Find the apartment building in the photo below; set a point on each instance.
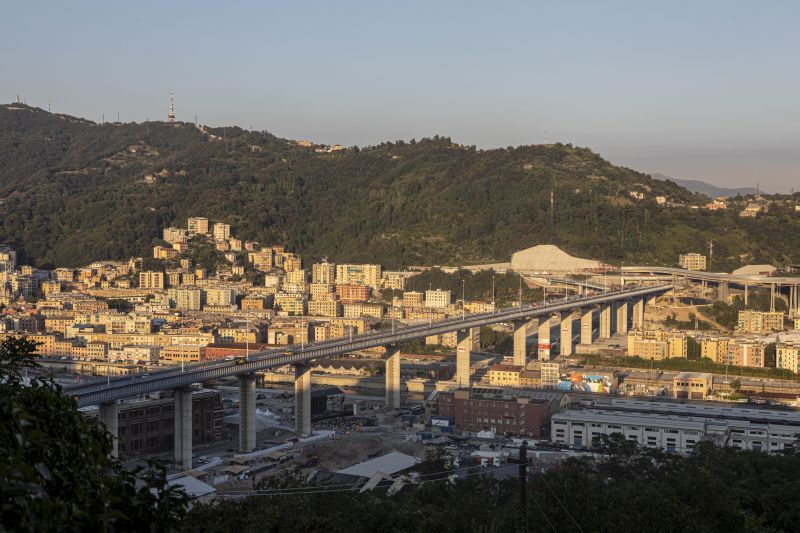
(787, 356)
(329, 308)
(173, 235)
(221, 231)
(352, 293)
(291, 303)
(359, 309)
(394, 280)
(714, 348)
(760, 322)
(297, 276)
(151, 279)
(197, 225)
(505, 375)
(744, 352)
(323, 273)
(412, 299)
(437, 298)
(220, 296)
(366, 274)
(657, 345)
(692, 261)
(292, 262)
(186, 299)
(322, 291)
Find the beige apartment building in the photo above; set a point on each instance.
(760, 322)
(329, 308)
(197, 225)
(505, 375)
(787, 356)
(356, 310)
(221, 231)
(151, 279)
(692, 261)
(714, 348)
(412, 299)
(323, 273)
(290, 303)
(220, 296)
(322, 291)
(437, 298)
(366, 274)
(657, 345)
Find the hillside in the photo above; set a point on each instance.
(72, 191)
(710, 190)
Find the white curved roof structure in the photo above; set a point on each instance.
(549, 258)
(754, 270)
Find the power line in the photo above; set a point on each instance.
(560, 503)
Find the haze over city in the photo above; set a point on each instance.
(702, 91)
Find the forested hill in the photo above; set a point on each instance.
(73, 191)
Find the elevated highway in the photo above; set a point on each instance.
(611, 307)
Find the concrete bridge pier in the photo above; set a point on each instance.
(520, 329)
(109, 417)
(183, 428)
(463, 353)
(638, 313)
(622, 317)
(587, 316)
(543, 339)
(302, 399)
(247, 413)
(605, 321)
(393, 376)
(567, 320)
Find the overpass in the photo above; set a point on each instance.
(610, 307)
(722, 280)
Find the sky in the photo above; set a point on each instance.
(692, 89)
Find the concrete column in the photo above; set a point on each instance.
(622, 317)
(183, 428)
(587, 314)
(109, 417)
(520, 332)
(605, 321)
(247, 413)
(302, 399)
(463, 350)
(745, 294)
(393, 376)
(566, 333)
(722, 291)
(543, 340)
(638, 313)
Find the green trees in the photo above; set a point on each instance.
(625, 488)
(55, 469)
(78, 196)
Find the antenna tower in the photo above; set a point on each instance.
(710, 249)
(546, 137)
(171, 114)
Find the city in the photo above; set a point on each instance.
(301, 325)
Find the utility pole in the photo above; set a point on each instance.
(523, 474)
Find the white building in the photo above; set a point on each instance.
(437, 299)
(677, 427)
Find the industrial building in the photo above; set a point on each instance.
(523, 412)
(677, 427)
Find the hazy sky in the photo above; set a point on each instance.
(695, 89)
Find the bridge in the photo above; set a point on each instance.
(610, 307)
(723, 280)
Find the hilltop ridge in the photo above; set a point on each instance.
(72, 191)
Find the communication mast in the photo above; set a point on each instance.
(710, 249)
(171, 114)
